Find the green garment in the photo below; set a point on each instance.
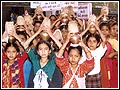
(48, 68)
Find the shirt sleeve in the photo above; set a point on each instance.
(63, 64)
(87, 66)
(32, 55)
(22, 57)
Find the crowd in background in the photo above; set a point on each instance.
(60, 51)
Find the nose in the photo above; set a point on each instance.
(73, 58)
(11, 54)
(43, 51)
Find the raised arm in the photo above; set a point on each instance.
(26, 44)
(54, 24)
(48, 30)
(101, 34)
(88, 27)
(87, 52)
(61, 51)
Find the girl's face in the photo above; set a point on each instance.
(52, 19)
(74, 57)
(36, 27)
(92, 43)
(11, 53)
(43, 50)
(23, 39)
(114, 30)
(105, 30)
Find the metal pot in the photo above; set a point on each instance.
(44, 35)
(11, 39)
(75, 39)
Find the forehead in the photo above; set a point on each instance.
(21, 36)
(92, 38)
(11, 48)
(52, 17)
(115, 26)
(43, 45)
(104, 26)
(37, 24)
(74, 51)
(64, 31)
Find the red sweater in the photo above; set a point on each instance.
(20, 59)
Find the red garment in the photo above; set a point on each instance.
(109, 64)
(20, 58)
(114, 74)
(83, 68)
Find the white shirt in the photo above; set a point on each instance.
(97, 54)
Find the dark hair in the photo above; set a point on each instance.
(37, 21)
(79, 48)
(113, 23)
(63, 27)
(45, 42)
(22, 33)
(53, 16)
(13, 45)
(96, 36)
(104, 24)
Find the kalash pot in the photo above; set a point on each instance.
(73, 28)
(75, 39)
(44, 35)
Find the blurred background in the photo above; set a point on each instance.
(10, 10)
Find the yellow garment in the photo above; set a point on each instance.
(114, 43)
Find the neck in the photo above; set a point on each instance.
(73, 67)
(43, 61)
(112, 37)
(10, 62)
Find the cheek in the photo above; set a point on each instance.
(15, 54)
(7, 54)
(39, 52)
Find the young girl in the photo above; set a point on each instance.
(97, 48)
(73, 72)
(106, 61)
(39, 57)
(45, 60)
(12, 66)
(110, 59)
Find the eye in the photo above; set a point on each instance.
(14, 51)
(46, 48)
(76, 56)
(40, 48)
(8, 51)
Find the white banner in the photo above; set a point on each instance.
(74, 4)
(46, 5)
(54, 5)
(84, 10)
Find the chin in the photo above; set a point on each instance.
(92, 48)
(11, 58)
